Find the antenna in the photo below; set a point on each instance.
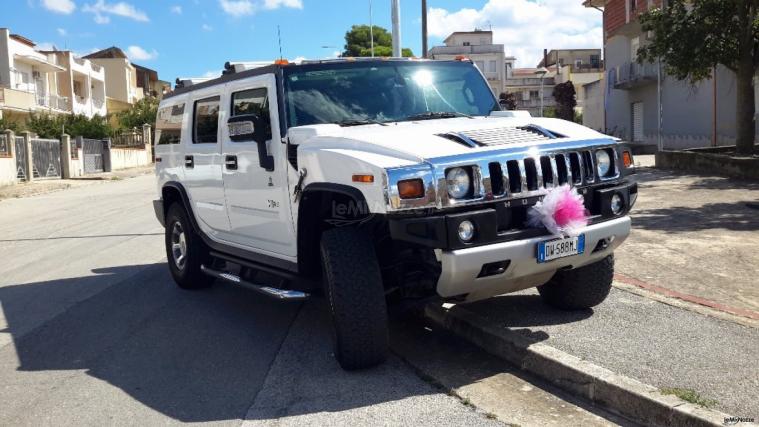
(279, 37)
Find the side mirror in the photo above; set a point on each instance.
(243, 128)
(251, 127)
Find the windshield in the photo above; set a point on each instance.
(379, 92)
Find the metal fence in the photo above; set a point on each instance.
(128, 140)
(94, 150)
(21, 170)
(5, 146)
(46, 158)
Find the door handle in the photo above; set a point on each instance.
(231, 162)
(189, 162)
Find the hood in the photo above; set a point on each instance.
(427, 139)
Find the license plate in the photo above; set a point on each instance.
(560, 248)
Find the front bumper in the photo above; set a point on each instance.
(461, 268)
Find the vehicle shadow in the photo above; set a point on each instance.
(192, 356)
(525, 314)
(217, 354)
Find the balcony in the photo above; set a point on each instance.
(631, 75)
(466, 50)
(53, 101)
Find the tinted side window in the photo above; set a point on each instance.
(169, 124)
(253, 101)
(206, 121)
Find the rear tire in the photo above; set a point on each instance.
(185, 251)
(353, 284)
(580, 288)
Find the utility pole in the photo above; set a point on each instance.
(424, 28)
(396, 13)
(371, 29)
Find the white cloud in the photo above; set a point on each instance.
(59, 6)
(137, 53)
(212, 74)
(101, 10)
(176, 9)
(525, 27)
(237, 7)
(61, 32)
(276, 4)
(206, 27)
(45, 46)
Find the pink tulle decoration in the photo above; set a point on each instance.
(562, 212)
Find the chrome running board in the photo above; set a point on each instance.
(283, 294)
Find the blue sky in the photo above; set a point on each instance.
(195, 37)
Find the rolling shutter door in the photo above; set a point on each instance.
(637, 122)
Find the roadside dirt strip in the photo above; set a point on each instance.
(611, 354)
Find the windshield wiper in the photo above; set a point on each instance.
(359, 122)
(430, 115)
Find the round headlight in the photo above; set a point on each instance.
(616, 204)
(603, 161)
(459, 183)
(466, 230)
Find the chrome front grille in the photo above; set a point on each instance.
(506, 174)
(530, 175)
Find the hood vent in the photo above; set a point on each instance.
(501, 136)
(460, 138)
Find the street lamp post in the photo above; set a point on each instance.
(371, 29)
(542, 71)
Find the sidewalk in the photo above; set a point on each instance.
(42, 186)
(657, 344)
(695, 235)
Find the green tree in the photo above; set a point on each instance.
(6, 124)
(508, 101)
(693, 36)
(564, 94)
(50, 126)
(358, 42)
(142, 112)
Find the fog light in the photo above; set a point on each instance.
(616, 204)
(466, 230)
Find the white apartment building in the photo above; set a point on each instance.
(83, 83)
(53, 82)
(478, 46)
(24, 79)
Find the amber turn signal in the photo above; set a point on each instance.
(363, 178)
(411, 189)
(627, 158)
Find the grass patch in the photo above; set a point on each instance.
(689, 395)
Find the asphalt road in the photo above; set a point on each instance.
(94, 332)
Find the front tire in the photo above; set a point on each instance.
(185, 251)
(580, 288)
(353, 284)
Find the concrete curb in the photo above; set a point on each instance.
(625, 396)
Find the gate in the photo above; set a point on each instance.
(46, 158)
(21, 172)
(93, 155)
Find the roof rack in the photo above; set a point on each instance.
(189, 81)
(231, 67)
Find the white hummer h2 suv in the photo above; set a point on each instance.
(382, 182)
